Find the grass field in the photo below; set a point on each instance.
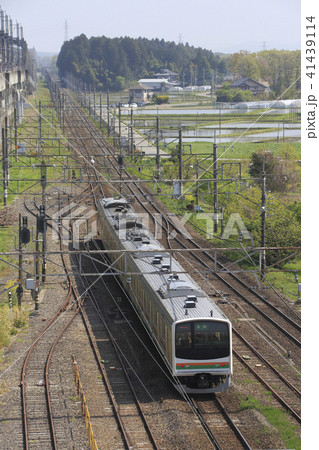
(278, 419)
(24, 178)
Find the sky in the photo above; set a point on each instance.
(222, 26)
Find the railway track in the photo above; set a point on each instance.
(41, 402)
(120, 384)
(214, 416)
(265, 308)
(221, 431)
(122, 399)
(290, 329)
(127, 408)
(282, 389)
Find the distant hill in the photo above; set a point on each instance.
(114, 63)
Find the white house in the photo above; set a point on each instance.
(157, 84)
(140, 93)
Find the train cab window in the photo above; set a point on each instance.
(183, 336)
(202, 340)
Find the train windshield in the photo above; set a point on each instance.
(202, 340)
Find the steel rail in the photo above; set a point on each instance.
(242, 296)
(240, 281)
(115, 407)
(267, 385)
(96, 354)
(25, 365)
(118, 354)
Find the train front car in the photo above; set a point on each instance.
(189, 330)
(203, 354)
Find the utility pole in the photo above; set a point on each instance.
(131, 141)
(100, 110)
(108, 112)
(215, 174)
(42, 207)
(263, 220)
(40, 125)
(5, 161)
(158, 167)
(19, 288)
(197, 182)
(120, 137)
(4, 170)
(15, 131)
(41, 228)
(63, 112)
(180, 159)
(24, 238)
(120, 162)
(36, 265)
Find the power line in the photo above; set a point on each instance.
(66, 38)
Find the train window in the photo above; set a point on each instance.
(147, 307)
(183, 336)
(133, 283)
(202, 340)
(141, 295)
(163, 329)
(153, 315)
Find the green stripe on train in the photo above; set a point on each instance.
(202, 366)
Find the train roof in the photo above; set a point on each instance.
(179, 295)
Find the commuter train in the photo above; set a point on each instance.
(187, 327)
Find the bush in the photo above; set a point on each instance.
(281, 173)
(11, 320)
(160, 99)
(5, 326)
(233, 95)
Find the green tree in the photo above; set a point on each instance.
(244, 64)
(281, 171)
(132, 59)
(279, 68)
(282, 220)
(282, 230)
(119, 83)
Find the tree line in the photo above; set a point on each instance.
(115, 63)
(280, 69)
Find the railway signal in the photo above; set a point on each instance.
(24, 232)
(41, 220)
(24, 238)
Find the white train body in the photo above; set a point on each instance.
(188, 328)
